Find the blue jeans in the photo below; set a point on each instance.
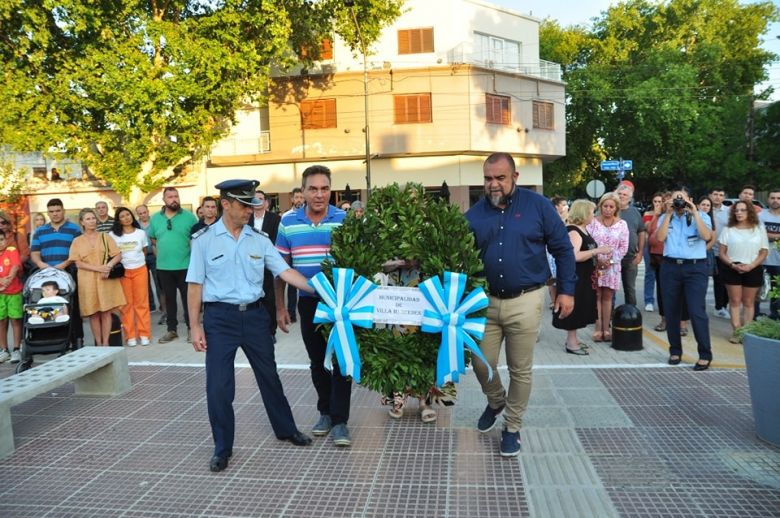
(649, 278)
(689, 282)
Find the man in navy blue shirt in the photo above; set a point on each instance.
(513, 227)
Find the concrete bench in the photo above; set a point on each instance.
(98, 371)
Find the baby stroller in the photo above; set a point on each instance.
(46, 327)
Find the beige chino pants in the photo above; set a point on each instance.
(514, 321)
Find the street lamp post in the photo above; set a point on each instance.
(351, 5)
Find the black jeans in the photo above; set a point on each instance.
(333, 389)
(719, 288)
(171, 281)
(292, 300)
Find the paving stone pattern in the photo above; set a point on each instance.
(596, 442)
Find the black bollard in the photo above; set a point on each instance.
(627, 328)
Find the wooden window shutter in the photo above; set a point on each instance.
(319, 114)
(326, 49)
(497, 109)
(415, 41)
(414, 108)
(544, 115)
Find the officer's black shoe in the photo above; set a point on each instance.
(218, 463)
(298, 439)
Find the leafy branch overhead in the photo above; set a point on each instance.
(135, 88)
(669, 85)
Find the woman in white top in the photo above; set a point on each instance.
(133, 243)
(743, 248)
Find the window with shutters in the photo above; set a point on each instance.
(415, 41)
(412, 109)
(318, 114)
(544, 115)
(497, 109)
(325, 50)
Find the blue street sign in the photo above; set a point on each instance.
(627, 165)
(610, 165)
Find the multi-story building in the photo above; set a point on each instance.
(448, 83)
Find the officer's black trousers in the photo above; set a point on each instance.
(333, 389)
(226, 330)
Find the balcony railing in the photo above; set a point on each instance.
(462, 53)
(234, 145)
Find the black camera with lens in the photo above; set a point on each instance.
(679, 202)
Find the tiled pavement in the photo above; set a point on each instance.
(596, 442)
(614, 434)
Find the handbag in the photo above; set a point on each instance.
(118, 270)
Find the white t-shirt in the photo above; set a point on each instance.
(744, 243)
(132, 247)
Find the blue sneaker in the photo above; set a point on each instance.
(510, 443)
(322, 427)
(488, 418)
(340, 435)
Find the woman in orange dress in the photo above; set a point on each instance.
(98, 295)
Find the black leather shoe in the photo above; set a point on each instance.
(298, 439)
(675, 360)
(218, 463)
(702, 366)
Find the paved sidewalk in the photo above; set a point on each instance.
(612, 434)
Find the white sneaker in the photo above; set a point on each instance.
(723, 313)
(132, 342)
(16, 356)
(144, 340)
(649, 307)
(4, 356)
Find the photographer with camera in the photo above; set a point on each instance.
(685, 234)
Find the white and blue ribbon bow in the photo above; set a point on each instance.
(344, 307)
(449, 317)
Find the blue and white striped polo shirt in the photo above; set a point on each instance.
(54, 245)
(308, 244)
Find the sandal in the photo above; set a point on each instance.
(427, 414)
(598, 336)
(607, 336)
(661, 327)
(735, 339)
(397, 411)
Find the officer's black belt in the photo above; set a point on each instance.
(235, 307)
(674, 260)
(514, 294)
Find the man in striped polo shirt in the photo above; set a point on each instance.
(50, 247)
(304, 242)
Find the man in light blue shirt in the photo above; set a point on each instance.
(225, 273)
(685, 234)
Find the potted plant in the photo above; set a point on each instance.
(761, 340)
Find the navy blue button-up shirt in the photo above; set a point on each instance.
(512, 243)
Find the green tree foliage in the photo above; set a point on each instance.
(137, 87)
(667, 84)
(404, 223)
(767, 145)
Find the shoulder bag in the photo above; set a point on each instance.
(118, 270)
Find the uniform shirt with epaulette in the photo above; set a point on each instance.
(231, 270)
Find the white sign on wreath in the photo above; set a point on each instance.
(398, 305)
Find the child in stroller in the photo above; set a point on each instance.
(50, 308)
(47, 295)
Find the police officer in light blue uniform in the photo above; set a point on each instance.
(226, 275)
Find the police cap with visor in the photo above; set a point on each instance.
(242, 191)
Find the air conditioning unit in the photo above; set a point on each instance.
(265, 142)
